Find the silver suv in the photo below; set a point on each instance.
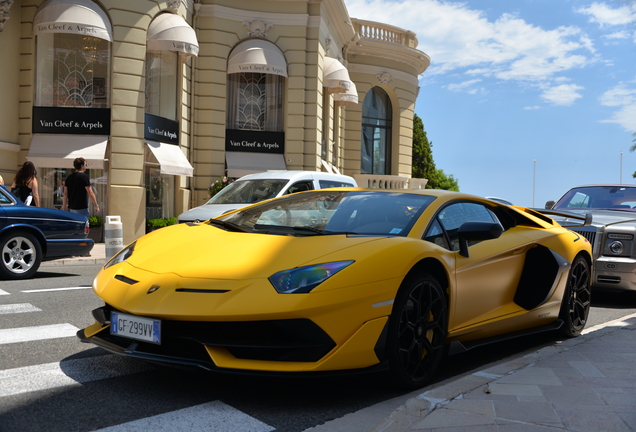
(611, 213)
(253, 188)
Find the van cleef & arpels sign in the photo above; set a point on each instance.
(71, 121)
(254, 141)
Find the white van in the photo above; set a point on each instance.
(253, 188)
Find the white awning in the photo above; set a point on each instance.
(81, 17)
(350, 97)
(243, 163)
(258, 56)
(59, 151)
(169, 32)
(335, 76)
(171, 159)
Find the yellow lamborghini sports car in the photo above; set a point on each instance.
(340, 280)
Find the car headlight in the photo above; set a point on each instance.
(121, 256)
(304, 279)
(616, 247)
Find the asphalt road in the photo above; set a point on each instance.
(60, 384)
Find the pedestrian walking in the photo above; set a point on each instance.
(25, 185)
(77, 190)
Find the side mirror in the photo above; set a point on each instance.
(550, 204)
(477, 231)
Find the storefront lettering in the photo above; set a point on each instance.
(71, 124)
(161, 132)
(57, 27)
(262, 69)
(254, 144)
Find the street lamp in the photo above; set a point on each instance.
(534, 180)
(621, 181)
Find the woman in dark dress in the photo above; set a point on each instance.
(25, 183)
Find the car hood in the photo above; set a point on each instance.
(208, 211)
(609, 217)
(204, 251)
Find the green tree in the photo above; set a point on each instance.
(443, 181)
(423, 165)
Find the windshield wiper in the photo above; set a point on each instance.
(227, 225)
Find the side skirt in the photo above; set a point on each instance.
(457, 347)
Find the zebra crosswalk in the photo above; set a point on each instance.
(69, 373)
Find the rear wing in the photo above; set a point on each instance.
(579, 219)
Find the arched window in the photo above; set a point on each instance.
(376, 133)
(72, 58)
(256, 73)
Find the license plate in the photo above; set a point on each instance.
(135, 327)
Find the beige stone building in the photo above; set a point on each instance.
(162, 98)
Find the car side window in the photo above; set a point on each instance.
(324, 184)
(300, 186)
(435, 234)
(5, 199)
(451, 218)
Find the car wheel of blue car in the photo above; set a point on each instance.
(21, 255)
(417, 331)
(576, 303)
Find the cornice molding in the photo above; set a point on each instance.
(376, 71)
(400, 53)
(223, 12)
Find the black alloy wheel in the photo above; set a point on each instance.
(21, 255)
(417, 331)
(576, 303)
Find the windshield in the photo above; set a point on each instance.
(334, 212)
(248, 191)
(598, 197)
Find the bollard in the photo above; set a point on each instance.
(113, 235)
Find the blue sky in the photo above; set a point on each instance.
(512, 82)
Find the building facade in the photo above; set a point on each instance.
(163, 98)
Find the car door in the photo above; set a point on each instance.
(485, 280)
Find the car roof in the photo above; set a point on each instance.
(604, 185)
(297, 175)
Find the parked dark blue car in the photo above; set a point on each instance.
(30, 235)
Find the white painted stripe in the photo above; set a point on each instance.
(26, 334)
(65, 373)
(18, 308)
(3, 292)
(208, 417)
(58, 289)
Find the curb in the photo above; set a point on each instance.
(416, 409)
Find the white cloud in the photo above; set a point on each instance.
(464, 86)
(603, 14)
(536, 107)
(618, 35)
(624, 98)
(564, 94)
(457, 37)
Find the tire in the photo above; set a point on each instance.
(576, 302)
(417, 331)
(21, 255)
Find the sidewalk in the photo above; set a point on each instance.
(582, 384)
(97, 256)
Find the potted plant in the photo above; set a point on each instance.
(218, 185)
(155, 224)
(96, 229)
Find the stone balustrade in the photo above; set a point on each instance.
(376, 181)
(372, 30)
